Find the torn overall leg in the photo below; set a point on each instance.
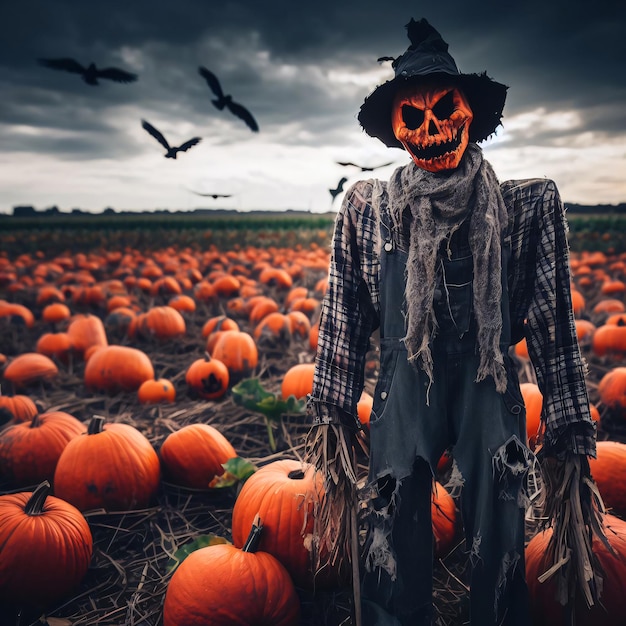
(398, 591)
(491, 466)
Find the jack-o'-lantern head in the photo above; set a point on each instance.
(432, 122)
(429, 107)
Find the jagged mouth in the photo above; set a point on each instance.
(437, 151)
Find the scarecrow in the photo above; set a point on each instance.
(451, 268)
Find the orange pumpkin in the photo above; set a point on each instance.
(156, 391)
(609, 471)
(533, 400)
(45, 548)
(238, 351)
(208, 377)
(160, 322)
(612, 390)
(86, 331)
(193, 455)
(300, 324)
(284, 494)
(273, 332)
(18, 408)
(207, 587)
(55, 345)
(55, 312)
(298, 380)
(364, 408)
(610, 340)
(546, 609)
(113, 467)
(118, 368)
(29, 451)
(443, 513)
(30, 367)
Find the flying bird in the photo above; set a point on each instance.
(335, 192)
(171, 151)
(211, 195)
(363, 168)
(91, 73)
(226, 101)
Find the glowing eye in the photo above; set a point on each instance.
(445, 107)
(413, 118)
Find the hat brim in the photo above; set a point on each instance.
(486, 97)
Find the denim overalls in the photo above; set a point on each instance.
(411, 425)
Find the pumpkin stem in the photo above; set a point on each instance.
(296, 474)
(96, 425)
(35, 422)
(252, 542)
(35, 503)
(207, 356)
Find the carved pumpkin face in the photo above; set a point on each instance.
(432, 123)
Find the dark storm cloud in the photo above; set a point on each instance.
(274, 56)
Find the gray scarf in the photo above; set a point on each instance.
(437, 204)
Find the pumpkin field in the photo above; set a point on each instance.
(152, 427)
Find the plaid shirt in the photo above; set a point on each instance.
(540, 306)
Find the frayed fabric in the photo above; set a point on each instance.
(437, 206)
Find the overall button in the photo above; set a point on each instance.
(383, 395)
(388, 246)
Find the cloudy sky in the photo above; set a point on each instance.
(303, 70)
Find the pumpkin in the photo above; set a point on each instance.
(55, 312)
(160, 322)
(182, 303)
(238, 351)
(30, 367)
(193, 455)
(300, 324)
(222, 585)
(208, 377)
(443, 513)
(118, 368)
(610, 340)
(217, 323)
(112, 467)
(86, 331)
(612, 390)
(545, 608)
(262, 309)
(17, 313)
(55, 345)
(18, 408)
(29, 451)
(609, 471)
(273, 332)
(45, 547)
(276, 277)
(156, 391)
(364, 408)
(298, 380)
(226, 286)
(284, 493)
(533, 401)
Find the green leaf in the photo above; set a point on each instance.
(236, 470)
(202, 541)
(250, 394)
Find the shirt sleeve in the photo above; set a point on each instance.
(349, 312)
(550, 327)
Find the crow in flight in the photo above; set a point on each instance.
(362, 167)
(211, 195)
(335, 192)
(227, 101)
(171, 151)
(90, 74)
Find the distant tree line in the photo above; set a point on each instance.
(30, 211)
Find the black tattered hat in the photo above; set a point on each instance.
(427, 60)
